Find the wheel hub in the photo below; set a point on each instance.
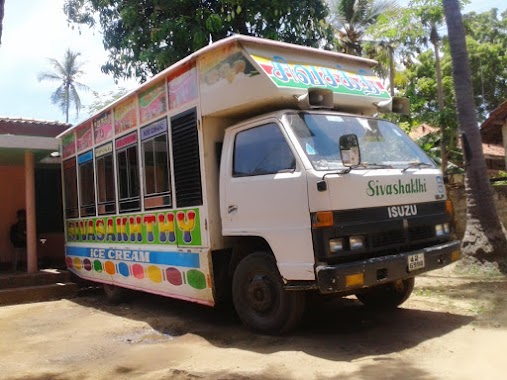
(260, 294)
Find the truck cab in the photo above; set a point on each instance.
(342, 203)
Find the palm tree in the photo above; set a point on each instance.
(351, 19)
(484, 234)
(431, 17)
(66, 73)
(2, 6)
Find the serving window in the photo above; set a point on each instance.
(106, 195)
(70, 188)
(155, 153)
(128, 173)
(86, 184)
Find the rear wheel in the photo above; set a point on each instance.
(260, 299)
(115, 294)
(387, 296)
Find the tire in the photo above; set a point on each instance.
(260, 299)
(387, 296)
(115, 294)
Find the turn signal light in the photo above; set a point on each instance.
(354, 279)
(449, 207)
(455, 255)
(322, 219)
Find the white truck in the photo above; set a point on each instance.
(256, 171)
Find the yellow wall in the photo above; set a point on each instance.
(12, 198)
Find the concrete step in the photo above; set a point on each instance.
(43, 277)
(45, 285)
(38, 293)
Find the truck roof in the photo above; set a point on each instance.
(243, 75)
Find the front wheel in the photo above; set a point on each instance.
(260, 299)
(387, 296)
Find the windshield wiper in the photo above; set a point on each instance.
(416, 164)
(367, 165)
(364, 165)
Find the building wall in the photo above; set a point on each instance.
(50, 242)
(12, 198)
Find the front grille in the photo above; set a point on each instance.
(386, 238)
(421, 233)
(383, 235)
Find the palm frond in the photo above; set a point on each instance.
(66, 72)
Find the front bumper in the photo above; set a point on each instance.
(381, 270)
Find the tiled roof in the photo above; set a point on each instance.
(493, 150)
(491, 129)
(31, 127)
(489, 149)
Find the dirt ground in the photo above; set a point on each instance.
(453, 327)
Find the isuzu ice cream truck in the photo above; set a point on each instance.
(254, 171)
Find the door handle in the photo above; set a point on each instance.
(232, 208)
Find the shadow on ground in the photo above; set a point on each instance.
(334, 329)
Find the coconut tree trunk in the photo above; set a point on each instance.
(440, 95)
(391, 67)
(2, 6)
(67, 102)
(484, 234)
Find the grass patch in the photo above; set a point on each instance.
(471, 266)
(425, 292)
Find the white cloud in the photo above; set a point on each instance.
(35, 30)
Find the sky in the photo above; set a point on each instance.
(34, 30)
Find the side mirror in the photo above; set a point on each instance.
(349, 150)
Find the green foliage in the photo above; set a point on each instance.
(487, 47)
(67, 72)
(101, 101)
(144, 37)
(501, 175)
(352, 18)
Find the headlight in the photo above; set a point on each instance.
(356, 242)
(335, 245)
(442, 229)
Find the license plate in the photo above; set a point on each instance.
(415, 261)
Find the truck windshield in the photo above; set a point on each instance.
(382, 143)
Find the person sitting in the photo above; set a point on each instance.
(18, 236)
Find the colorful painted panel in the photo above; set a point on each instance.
(85, 157)
(154, 129)
(104, 149)
(337, 79)
(126, 140)
(181, 227)
(68, 145)
(227, 70)
(103, 127)
(172, 269)
(125, 115)
(84, 137)
(182, 88)
(153, 102)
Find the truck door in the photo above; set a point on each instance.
(263, 193)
